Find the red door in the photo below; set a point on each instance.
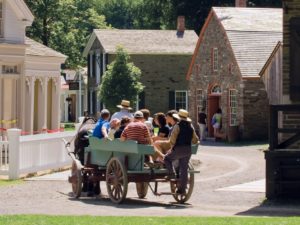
(213, 105)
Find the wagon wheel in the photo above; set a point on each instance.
(76, 175)
(142, 189)
(116, 180)
(182, 198)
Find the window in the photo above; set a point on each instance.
(200, 100)
(1, 18)
(233, 107)
(215, 58)
(216, 90)
(181, 101)
(7, 69)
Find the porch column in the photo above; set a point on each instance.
(29, 105)
(56, 103)
(1, 104)
(43, 104)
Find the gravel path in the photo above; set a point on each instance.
(221, 166)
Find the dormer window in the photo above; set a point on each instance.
(1, 18)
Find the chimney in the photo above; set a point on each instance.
(180, 24)
(240, 3)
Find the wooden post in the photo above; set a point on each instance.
(273, 126)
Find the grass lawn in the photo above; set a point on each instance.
(10, 182)
(86, 220)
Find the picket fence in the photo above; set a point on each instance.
(21, 155)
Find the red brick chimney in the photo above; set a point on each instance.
(240, 3)
(180, 24)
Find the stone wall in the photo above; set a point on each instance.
(160, 75)
(256, 110)
(227, 77)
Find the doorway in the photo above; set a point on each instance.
(213, 105)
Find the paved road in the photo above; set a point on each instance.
(221, 166)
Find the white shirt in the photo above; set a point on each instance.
(121, 114)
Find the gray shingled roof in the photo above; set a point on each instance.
(253, 34)
(38, 49)
(148, 41)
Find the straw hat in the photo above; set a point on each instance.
(124, 105)
(182, 115)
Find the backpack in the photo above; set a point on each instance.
(213, 120)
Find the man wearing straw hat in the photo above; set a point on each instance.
(183, 135)
(124, 110)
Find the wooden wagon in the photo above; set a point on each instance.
(119, 163)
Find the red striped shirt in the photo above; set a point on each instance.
(136, 131)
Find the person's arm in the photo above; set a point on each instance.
(124, 135)
(148, 136)
(174, 135)
(195, 138)
(104, 130)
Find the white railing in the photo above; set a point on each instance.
(33, 153)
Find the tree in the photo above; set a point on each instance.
(120, 81)
(65, 25)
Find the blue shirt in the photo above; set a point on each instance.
(98, 128)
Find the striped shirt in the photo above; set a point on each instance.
(137, 131)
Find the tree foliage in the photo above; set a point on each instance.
(64, 25)
(120, 81)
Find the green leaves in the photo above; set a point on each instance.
(120, 81)
(65, 26)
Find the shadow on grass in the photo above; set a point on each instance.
(130, 203)
(278, 207)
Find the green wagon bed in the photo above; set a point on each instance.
(119, 163)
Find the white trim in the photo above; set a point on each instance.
(89, 44)
(22, 11)
(186, 98)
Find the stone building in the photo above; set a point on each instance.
(162, 55)
(236, 50)
(29, 74)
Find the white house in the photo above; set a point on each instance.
(29, 74)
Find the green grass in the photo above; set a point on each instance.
(10, 182)
(69, 126)
(85, 220)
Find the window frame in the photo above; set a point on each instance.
(186, 99)
(233, 108)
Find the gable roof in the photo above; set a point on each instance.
(37, 49)
(253, 33)
(144, 41)
(22, 11)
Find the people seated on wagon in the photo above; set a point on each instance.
(114, 125)
(161, 147)
(148, 120)
(137, 130)
(181, 139)
(163, 129)
(124, 122)
(102, 126)
(124, 110)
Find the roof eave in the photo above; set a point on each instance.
(89, 44)
(189, 73)
(270, 58)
